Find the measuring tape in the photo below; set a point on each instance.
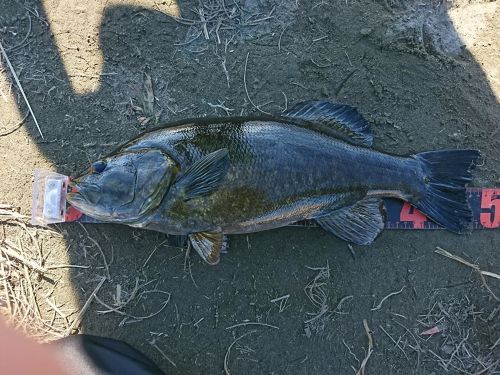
(484, 203)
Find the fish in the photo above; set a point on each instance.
(210, 177)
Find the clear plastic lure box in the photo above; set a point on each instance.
(49, 200)
(49, 197)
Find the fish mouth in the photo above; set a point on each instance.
(73, 196)
(81, 202)
(74, 193)
(75, 199)
(80, 192)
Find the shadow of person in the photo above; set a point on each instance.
(175, 309)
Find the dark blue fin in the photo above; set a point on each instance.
(360, 223)
(205, 175)
(339, 120)
(446, 174)
(208, 245)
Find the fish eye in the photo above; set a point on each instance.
(98, 166)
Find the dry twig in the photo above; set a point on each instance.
(475, 267)
(15, 127)
(106, 266)
(252, 324)
(362, 368)
(13, 72)
(11, 251)
(228, 352)
(246, 89)
(76, 322)
(163, 354)
(379, 306)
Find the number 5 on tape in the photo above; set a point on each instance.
(490, 208)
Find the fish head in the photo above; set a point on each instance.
(124, 187)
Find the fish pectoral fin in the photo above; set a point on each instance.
(335, 119)
(208, 245)
(205, 175)
(360, 223)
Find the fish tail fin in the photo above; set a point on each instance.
(446, 174)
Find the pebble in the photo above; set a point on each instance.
(365, 31)
(447, 349)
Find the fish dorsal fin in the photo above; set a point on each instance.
(339, 120)
(360, 223)
(208, 245)
(205, 175)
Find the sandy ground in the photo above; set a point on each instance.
(424, 73)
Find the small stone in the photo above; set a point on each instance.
(456, 136)
(365, 31)
(447, 349)
(307, 331)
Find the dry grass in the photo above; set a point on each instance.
(221, 20)
(318, 293)
(460, 349)
(452, 336)
(26, 282)
(458, 336)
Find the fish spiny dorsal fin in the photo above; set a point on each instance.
(208, 245)
(339, 120)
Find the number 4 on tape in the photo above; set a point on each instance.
(412, 214)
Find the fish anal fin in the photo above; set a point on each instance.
(360, 223)
(335, 119)
(208, 245)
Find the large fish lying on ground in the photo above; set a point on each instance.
(209, 177)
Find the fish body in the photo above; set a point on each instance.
(210, 177)
(278, 173)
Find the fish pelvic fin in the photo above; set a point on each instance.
(208, 245)
(446, 175)
(360, 223)
(338, 120)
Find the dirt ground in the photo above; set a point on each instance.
(426, 75)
